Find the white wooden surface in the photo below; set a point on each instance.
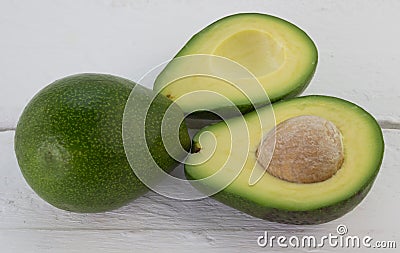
(41, 41)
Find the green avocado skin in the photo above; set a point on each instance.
(308, 217)
(69, 144)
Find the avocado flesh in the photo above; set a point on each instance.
(69, 143)
(280, 55)
(282, 201)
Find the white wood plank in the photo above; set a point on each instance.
(42, 41)
(28, 224)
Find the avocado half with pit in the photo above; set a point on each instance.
(280, 55)
(326, 156)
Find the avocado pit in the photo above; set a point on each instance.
(308, 149)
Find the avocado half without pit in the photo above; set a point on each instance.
(280, 55)
(319, 161)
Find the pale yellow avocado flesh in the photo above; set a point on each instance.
(362, 143)
(279, 54)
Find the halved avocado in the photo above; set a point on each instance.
(277, 199)
(280, 55)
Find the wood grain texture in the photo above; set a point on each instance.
(155, 223)
(356, 40)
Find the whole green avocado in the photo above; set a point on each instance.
(69, 143)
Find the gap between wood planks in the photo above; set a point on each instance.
(385, 124)
(5, 129)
